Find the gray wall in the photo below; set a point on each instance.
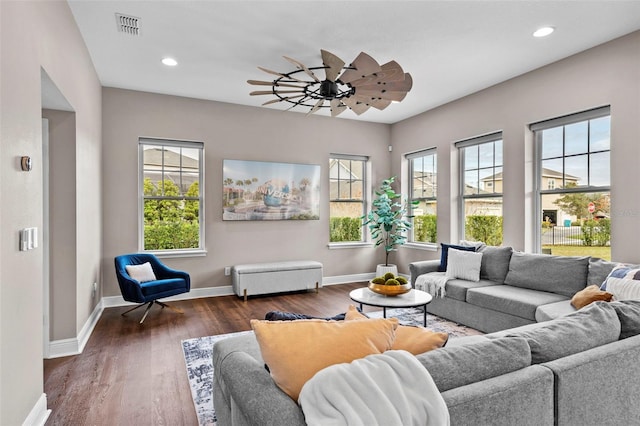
(605, 75)
(231, 132)
(34, 36)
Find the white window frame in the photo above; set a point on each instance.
(147, 141)
(429, 152)
(468, 143)
(365, 199)
(537, 129)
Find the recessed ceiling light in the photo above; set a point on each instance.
(543, 32)
(169, 62)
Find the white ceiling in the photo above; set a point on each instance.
(451, 48)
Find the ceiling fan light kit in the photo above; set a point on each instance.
(361, 85)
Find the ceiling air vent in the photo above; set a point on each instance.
(128, 24)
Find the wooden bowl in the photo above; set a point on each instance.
(390, 290)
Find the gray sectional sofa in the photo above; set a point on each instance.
(514, 289)
(581, 369)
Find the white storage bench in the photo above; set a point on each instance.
(276, 277)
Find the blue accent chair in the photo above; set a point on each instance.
(169, 282)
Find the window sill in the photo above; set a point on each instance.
(333, 246)
(178, 253)
(422, 246)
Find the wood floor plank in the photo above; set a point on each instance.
(132, 374)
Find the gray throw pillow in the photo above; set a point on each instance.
(629, 315)
(565, 275)
(594, 325)
(495, 263)
(455, 366)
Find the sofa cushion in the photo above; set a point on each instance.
(464, 265)
(520, 302)
(495, 263)
(564, 275)
(589, 295)
(629, 315)
(550, 311)
(452, 367)
(599, 270)
(444, 255)
(457, 289)
(592, 326)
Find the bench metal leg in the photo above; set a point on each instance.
(245, 294)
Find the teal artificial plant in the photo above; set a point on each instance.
(388, 221)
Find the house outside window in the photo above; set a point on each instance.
(575, 151)
(423, 185)
(347, 183)
(481, 182)
(171, 196)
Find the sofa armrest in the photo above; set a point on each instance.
(422, 267)
(255, 395)
(523, 397)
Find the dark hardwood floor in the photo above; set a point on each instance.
(132, 374)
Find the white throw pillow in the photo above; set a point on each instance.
(464, 265)
(141, 273)
(623, 288)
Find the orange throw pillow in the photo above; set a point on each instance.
(415, 340)
(296, 350)
(590, 294)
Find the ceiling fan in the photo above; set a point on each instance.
(359, 86)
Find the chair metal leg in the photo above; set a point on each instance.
(134, 308)
(149, 305)
(146, 311)
(173, 308)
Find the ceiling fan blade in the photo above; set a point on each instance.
(334, 63)
(273, 83)
(316, 106)
(360, 108)
(273, 101)
(357, 106)
(296, 104)
(380, 104)
(381, 94)
(302, 67)
(390, 71)
(268, 71)
(364, 65)
(271, 92)
(337, 107)
(393, 86)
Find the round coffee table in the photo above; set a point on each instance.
(411, 299)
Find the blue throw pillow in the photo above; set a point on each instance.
(445, 254)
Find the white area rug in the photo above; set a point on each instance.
(197, 355)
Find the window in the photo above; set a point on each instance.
(481, 188)
(171, 195)
(573, 151)
(423, 185)
(347, 197)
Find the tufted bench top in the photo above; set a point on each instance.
(291, 265)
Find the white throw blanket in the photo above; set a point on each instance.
(386, 389)
(433, 283)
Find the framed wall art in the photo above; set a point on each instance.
(260, 190)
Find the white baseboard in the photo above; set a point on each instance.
(344, 279)
(75, 345)
(39, 413)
